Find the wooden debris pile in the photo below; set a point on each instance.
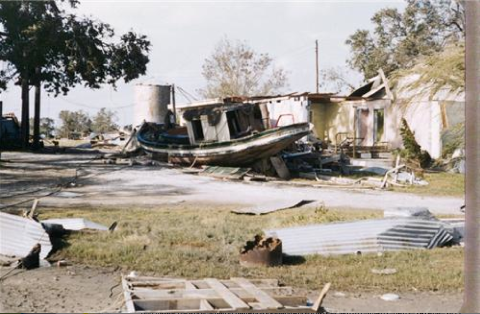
(164, 295)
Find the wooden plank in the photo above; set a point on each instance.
(226, 294)
(128, 298)
(280, 167)
(318, 302)
(282, 295)
(205, 305)
(34, 207)
(266, 301)
(189, 285)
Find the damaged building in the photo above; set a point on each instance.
(368, 120)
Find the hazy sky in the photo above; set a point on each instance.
(183, 34)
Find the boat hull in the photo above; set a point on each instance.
(238, 152)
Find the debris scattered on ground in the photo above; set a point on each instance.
(75, 224)
(32, 260)
(62, 263)
(386, 271)
(280, 167)
(225, 172)
(68, 194)
(164, 295)
(18, 235)
(366, 236)
(390, 297)
(419, 212)
(269, 207)
(262, 251)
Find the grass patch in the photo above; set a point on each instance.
(182, 241)
(439, 184)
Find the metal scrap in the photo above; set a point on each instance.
(75, 224)
(18, 235)
(267, 207)
(262, 251)
(225, 172)
(367, 236)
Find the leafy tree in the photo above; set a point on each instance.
(47, 127)
(412, 150)
(41, 43)
(104, 122)
(235, 69)
(424, 28)
(74, 122)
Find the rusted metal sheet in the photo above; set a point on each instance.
(19, 235)
(262, 251)
(360, 237)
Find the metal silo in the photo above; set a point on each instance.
(151, 103)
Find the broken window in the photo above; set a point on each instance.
(379, 116)
(197, 130)
(233, 125)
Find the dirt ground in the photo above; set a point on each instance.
(92, 290)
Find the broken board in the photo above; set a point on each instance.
(164, 295)
(280, 168)
(263, 208)
(225, 172)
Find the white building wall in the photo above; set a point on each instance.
(291, 110)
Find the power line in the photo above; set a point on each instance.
(91, 107)
(185, 93)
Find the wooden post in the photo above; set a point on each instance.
(25, 125)
(36, 118)
(173, 104)
(471, 301)
(316, 66)
(355, 120)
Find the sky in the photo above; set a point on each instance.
(184, 34)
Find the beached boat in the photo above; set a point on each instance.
(219, 134)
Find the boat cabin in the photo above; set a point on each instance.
(220, 121)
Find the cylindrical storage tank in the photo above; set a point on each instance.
(151, 103)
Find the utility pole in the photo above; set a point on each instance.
(316, 66)
(36, 117)
(173, 104)
(471, 299)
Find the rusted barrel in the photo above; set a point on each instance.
(262, 252)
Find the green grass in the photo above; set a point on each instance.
(439, 184)
(180, 241)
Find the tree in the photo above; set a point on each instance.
(398, 39)
(41, 43)
(47, 127)
(336, 80)
(235, 69)
(74, 122)
(103, 121)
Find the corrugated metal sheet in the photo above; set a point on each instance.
(76, 224)
(366, 236)
(18, 235)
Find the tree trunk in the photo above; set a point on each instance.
(36, 119)
(471, 302)
(25, 125)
